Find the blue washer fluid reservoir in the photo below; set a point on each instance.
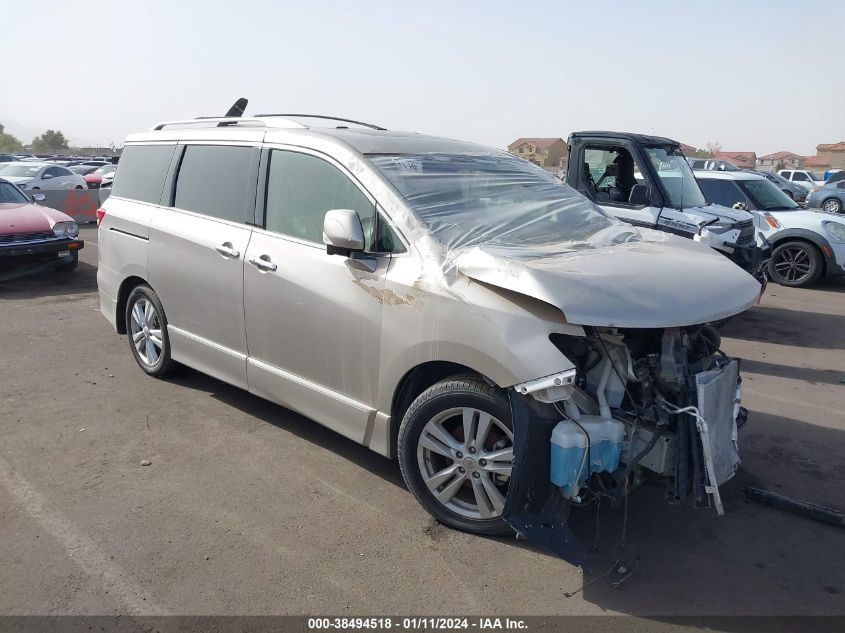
(606, 440)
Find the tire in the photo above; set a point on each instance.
(471, 478)
(796, 264)
(146, 327)
(832, 205)
(71, 265)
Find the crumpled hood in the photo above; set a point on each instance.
(657, 282)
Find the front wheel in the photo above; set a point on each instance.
(146, 328)
(456, 453)
(796, 264)
(832, 205)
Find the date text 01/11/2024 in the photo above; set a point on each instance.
(417, 623)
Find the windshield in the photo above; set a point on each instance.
(766, 196)
(498, 199)
(677, 178)
(9, 193)
(814, 176)
(17, 169)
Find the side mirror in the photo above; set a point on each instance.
(38, 197)
(639, 195)
(46, 176)
(342, 232)
(344, 235)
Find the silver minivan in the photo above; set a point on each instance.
(443, 303)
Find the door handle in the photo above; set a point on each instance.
(226, 249)
(263, 263)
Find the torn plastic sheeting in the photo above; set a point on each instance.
(503, 221)
(534, 506)
(498, 200)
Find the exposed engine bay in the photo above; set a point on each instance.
(640, 404)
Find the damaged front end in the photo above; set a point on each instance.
(641, 404)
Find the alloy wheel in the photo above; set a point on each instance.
(793, 264)
(832, 206)
(465, 456)
(145, 329)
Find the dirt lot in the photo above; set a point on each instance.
(248, 508)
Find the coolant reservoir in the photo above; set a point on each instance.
(606, 438)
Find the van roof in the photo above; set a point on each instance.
(271, 129)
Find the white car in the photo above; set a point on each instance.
(802, 177)
(806, 244)
(36, 176)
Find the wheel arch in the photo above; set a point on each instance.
(414, 382)
(811, 237)
(126, 287)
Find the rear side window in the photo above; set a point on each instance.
(723, 192)
(143, 169)
(301, 188)
(217, 180)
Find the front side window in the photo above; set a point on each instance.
(300, 190)
(676, 177)
(10, 194)
(143, 169)
(800, 176)
(611, 173)
(217, 180)
(721, 192)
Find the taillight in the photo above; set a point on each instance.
(101, 213)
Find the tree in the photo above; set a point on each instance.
(50, 141)
(8, 143)
(713, 147)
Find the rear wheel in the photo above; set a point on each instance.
(832, 205)
(456, 453)
(146, 328)
(796, 264)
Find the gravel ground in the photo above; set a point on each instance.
(247, 508)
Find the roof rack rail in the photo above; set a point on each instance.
(327, 118)
(228, 121)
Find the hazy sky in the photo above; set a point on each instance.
(753, 75)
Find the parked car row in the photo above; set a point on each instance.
(35, 176)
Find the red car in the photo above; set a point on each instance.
(103, 177)
(34, 238)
